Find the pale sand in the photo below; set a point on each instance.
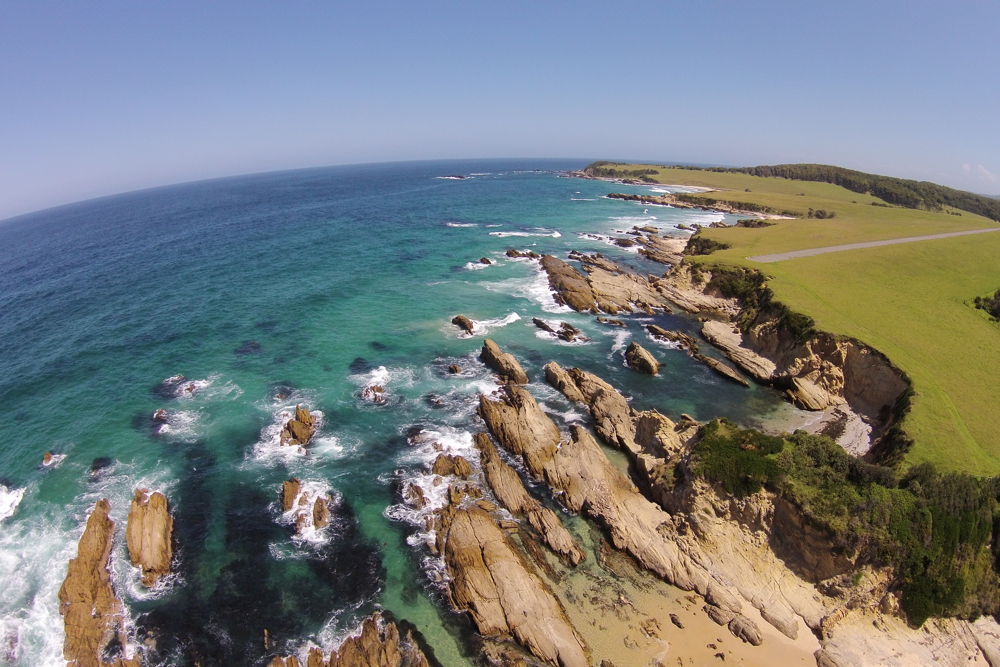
(623, 614)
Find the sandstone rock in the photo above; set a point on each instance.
(47, 458)
(530, 254)
(745, 629)
(160, 416)
(379, 644)
(611, 322)
(321, 513)
(454, 369)
(570, 287)
(149, 535)
(503, 363)
(569, 333)
(521, 426)
(639, 359)
(491, 582)
(556, 376)
(373, 393)
(413, 495)
(542, 324)
(681, 287)
(289, 492)
(463, 323)
(624, 292)
(509, 490)
(446, 464)
(300, 429)
(685, 341)
(485, 260)
(718, 614)
(92, 614)
(723, 369)
(721, 335)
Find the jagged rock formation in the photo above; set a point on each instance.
(611, 322)
(463, 323)
(693, 292)
(149, 534)
(379, 644)
(492, 583)
(92, 614)
(639, 359)
(300, 429)
(566, 331)
(503, 363)
(509, 490)
(527, 254)
(309, 511)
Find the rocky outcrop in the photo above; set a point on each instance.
(311, 510)
(521, 426)
(639, 359)
(690, 345)
(823, 371)
(505, 365)
(509, 490)
(730, 341)
(448, 464)
(569, 286)
(526, 254)
(379, 644)
(92, 614)
(611, 322)
(490, 581)
(298, 430)
(693, 292)
(149, 534)
(463, 323)
(723, 369)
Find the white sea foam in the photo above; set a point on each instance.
(534, 287)
(180, 425)
(580, 199)
(451, 178)
(494, 225)
(542, 232)
(301, 512)
(477, 266)
(209, 387)
(9, 500)
(461, 224)
(55, 461)
(620, 337)
(33, 558)
(483, 327)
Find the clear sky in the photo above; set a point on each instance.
(101, 97)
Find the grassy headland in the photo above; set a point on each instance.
(913, 302)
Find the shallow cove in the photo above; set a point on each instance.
(269, 291)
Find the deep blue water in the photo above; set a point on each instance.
(267, 291)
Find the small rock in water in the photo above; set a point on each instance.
(455, 369)
(639, 359)
(160, 416)
(542, 324)
(463, 323)
(485, 260)
(47, 458)
(611, 322)
(374, 393)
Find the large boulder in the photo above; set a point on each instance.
(503, 363)
(149, 534)
(463, 323)
(521, 426)
(92, 615)
(300, 429)
(639, 359)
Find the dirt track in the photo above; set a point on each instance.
(777, 257)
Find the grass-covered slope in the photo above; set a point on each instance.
(913, 302)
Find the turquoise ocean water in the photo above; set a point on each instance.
(269, 291)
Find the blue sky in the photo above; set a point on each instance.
(104, 97)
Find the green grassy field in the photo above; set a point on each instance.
(910, 301)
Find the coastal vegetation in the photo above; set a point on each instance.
(990, 304)
(908, 301)
(935, 531)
